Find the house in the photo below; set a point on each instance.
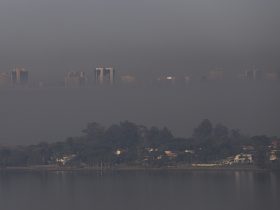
(65, 159)
(170, 154)
(227, 161)
(150, 149)
(243, 158)
(274, 155)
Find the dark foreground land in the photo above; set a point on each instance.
(127, 146)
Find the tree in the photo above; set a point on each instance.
(4, 155)
(221, 132)
(94, 131)
(261, 146)
(158, 137)
(204, 130)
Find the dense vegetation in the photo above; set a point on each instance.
(131, 144)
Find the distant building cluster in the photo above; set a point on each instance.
(17, 77)
(102, 76)
(75, 79)
(106, 76)
(259, 75)
(167, 80)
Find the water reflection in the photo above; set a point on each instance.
(151, 190)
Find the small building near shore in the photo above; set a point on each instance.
(170, 154)
(65, 159)
(274, 155)
(243, 158)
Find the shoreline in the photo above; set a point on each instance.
(131, 168)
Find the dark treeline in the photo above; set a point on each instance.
(131, 144)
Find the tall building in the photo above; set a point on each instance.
(19, 76)
(104, 75)
(249, 75)
(4, 79)
(216, 75)
(254, 75)
(75, 79)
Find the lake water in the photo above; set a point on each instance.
(140, 190)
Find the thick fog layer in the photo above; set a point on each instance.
(52, 37)
(34, 115)
(146, 38)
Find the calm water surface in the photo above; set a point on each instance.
(132, 190)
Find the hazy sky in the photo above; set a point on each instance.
(35, 115)
(51, 37)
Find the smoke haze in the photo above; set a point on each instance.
(146, 39)
(52, 37)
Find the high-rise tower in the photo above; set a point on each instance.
(19, 76)
(75, 79)
(105, 75)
